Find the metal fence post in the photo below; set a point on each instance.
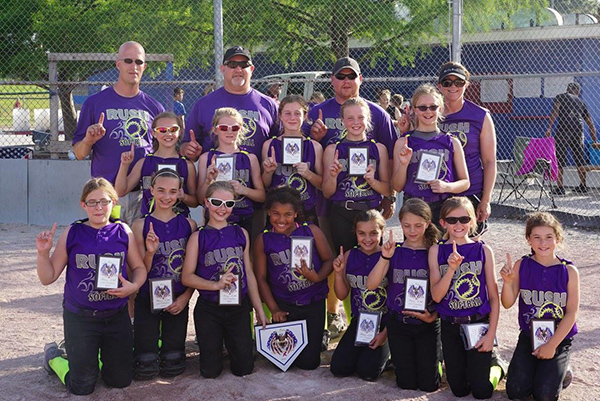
(218, 38)
(54, 105)
(456, 29)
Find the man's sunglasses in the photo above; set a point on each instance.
(130, 61)
(163, 130)
(216, 202)
(433, 107)
(352, 76)
(235, 64)
(225, 128)
(459, 83)
(454, 220)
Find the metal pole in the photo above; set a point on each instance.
(456, 29)
(54, 105)
(218, 37)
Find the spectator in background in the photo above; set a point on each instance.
(178, 107)
(274, 91)
(385, 97)
(571, 112)
(210, 88)
(316, 98)
(398, 101)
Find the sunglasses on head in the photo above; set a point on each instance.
(433, 107)
(459, 83)
(454, 220)
(225, 128)
(163, 130)
(236, 64)
(130, 61)
(341, 76)
(216, 202)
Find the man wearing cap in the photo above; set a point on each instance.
(259, 111)
(571, 112)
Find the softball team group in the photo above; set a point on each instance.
(370, 270)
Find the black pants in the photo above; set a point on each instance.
(415, 352)
(366, 362)
(542, 378)
(84, 337)
(147, 328)
(341, 222)
(467, 371)
(216, 323)
(314, 314)
(476, 200)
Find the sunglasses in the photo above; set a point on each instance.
(216, 202)
(236, 64)
(454, 220)
(225, 128)
(433, 107)
(173, 129)
(101, 202)
(459, 83)
(130, 61)
(352, 76)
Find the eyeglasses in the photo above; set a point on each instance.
(341, 76)
(216, 202)
(94, 203)
(433, 107)
(235, 64)
(225, 128)
(173, 129)
(459, 83)
(454, 220)
(130, 61)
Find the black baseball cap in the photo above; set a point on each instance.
(346, 62)
(236, 51)
(452, 69)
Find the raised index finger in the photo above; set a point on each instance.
(454, 247)
(192, 136)
(271, 150)
(53, 229)
(151, 228)
(321, 114)
(508, 261)
(101, 119)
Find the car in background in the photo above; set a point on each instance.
(297, 83)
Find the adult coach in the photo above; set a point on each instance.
(571, 112)
(259, 111)
(113, 119)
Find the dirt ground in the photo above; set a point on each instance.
(30, 316)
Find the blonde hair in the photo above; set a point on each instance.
(428, 89)
(421, 209)
(544, 219)
(357, 101)
(233, 113)
(172, 116)
(99, 183)
(217, 185)
(458, 202)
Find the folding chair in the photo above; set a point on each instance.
(519, 174)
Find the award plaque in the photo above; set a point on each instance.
(292, 150)
(161, 293)
(358, 160)
(473, 332)
(415, 295)
(107, 272)
(281, 343)
(225, 167)
(162, 166)
(301, 248)
(429, 167)
(541, 331)
(367, 327)
(230, 295)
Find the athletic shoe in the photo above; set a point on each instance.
(325, 340)
(558, 191)
(335, 324)
(51, 351)
(581, 189)
(568, 378)
(501, 363)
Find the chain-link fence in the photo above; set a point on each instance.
(520, 54)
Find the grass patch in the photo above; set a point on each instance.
(31, 97)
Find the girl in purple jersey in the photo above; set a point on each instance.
(215, 255)
(161, 237)
(307, 175)
(351, 271)
(409, 150)
(293, 292)
(547, 287)
(414, 337)
(94, 320)
(463, 283)
(165, 131)
(229, 130)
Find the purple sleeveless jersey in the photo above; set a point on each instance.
(285, 283)
(466, 125)
(218, 252)
(168, 259)
(405, 263)
(84, 244)
(467, 294)
(149, 167)
(287, 175)
(358, 267)
(441, 144)
(356, 188)
(244, 207)
(543, 292)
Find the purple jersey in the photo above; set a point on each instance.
(221, 251)
(168, 259)
(259, 112)
(287, 175)
(149, 167)
(467, 294)
(84, 245)
(543, 292)
(358, 267)
(383, 130)
(405, 263)
(356, 188)
(466, 125)
(440, 144)
(126, 120)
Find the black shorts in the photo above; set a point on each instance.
(576, 145)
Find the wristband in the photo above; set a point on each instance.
(386, 258)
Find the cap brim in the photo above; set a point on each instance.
(456, 74)
(346, 67)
